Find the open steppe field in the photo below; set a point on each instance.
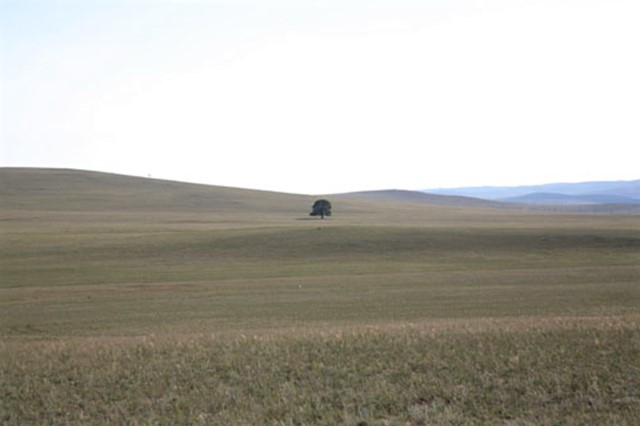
(136, 301)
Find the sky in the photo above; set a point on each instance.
(319, 97)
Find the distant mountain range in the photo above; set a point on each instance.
(554, 194)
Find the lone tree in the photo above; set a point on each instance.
(321, 208)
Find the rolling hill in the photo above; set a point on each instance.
(58, 194)
(417, 197)
(78, 190)
(66, 190)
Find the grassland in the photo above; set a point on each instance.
(137, 301)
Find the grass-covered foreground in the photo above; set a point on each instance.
(511, 372)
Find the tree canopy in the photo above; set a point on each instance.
(321, 208)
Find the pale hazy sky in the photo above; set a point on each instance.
(324, 96)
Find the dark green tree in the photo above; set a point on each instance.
(321, 208)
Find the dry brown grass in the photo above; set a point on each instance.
(486, 371)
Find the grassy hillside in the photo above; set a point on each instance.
(130, 300)
(122, 248)
(51, 190)
(416, 197)
(57, 195)
(75, 190)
